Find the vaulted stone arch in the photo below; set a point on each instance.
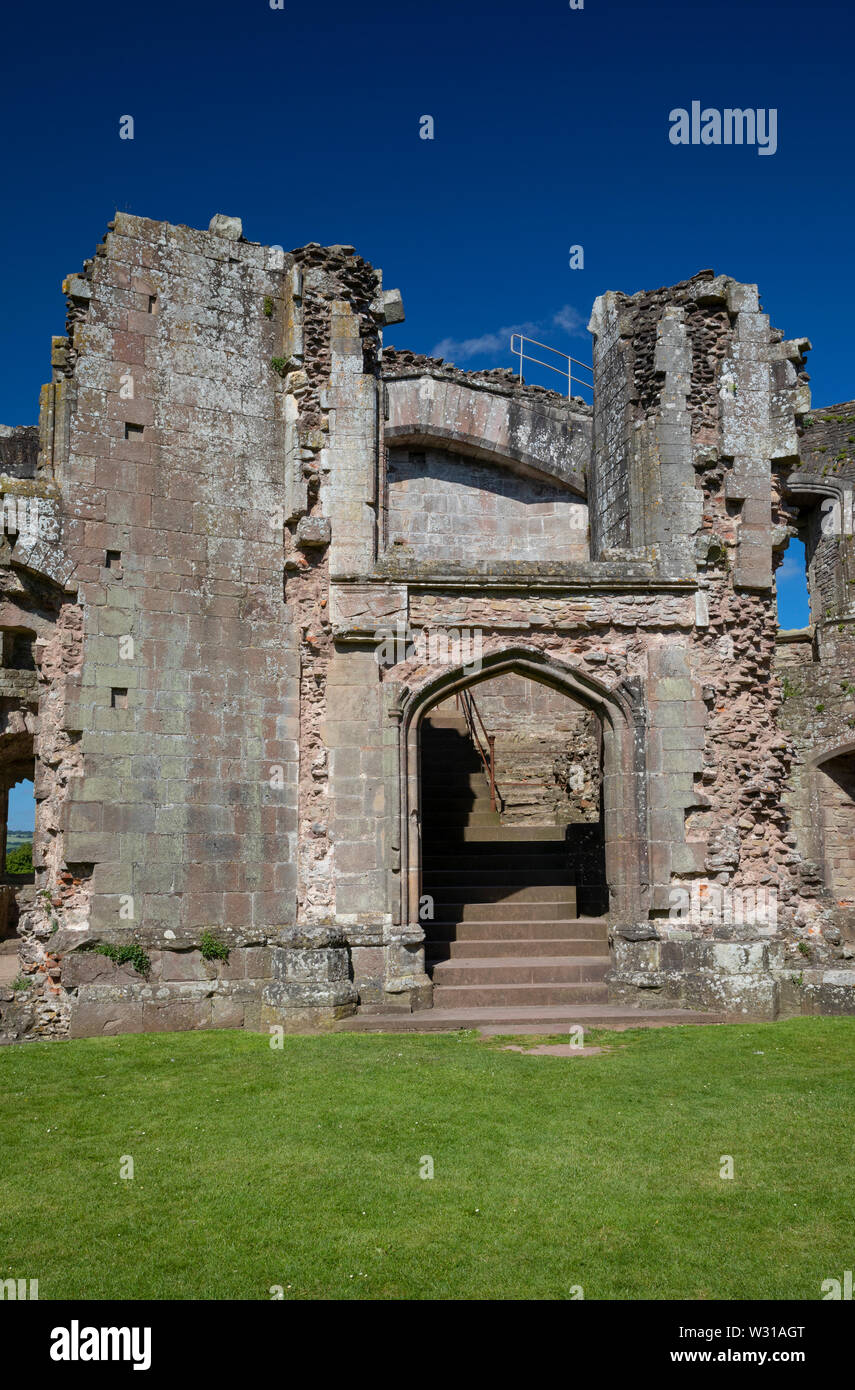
(546, 440)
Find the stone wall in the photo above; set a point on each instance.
(441, 506)
(817, 670)
(19, 451)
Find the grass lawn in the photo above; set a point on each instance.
(301, 1167)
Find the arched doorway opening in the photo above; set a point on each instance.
(835, 787)
(17, 823)
(572, 823)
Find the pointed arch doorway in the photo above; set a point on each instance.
(433, 712)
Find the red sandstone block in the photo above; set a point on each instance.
(269, 909)
(187, 603)
(259, 879)
(131, 451)
(169, 515)
(143, 542)
(155, 601)
(205, 725)
(210, 878)
(141, 322)
(82, 815)
(184, 965)
(110, 1017)
(99, 537)
(128, 348)
(227, 1013)
(85, 967)
(126, 509)
(207, 908)
(145, 479)
(238, 909)
(116, 475)
(163, 1017)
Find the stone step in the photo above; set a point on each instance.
(519, 929)
(557, 868)
(474, 820)
(515, 1020)
(522, 970)
(478, 877)
(490, 857)
(468, 776)
(450, 837)
(504, 893)
(444, 808)
(435, 799)
(525, 909)
(516, 996)
(556, 947)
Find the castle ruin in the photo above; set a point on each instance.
(359, 690)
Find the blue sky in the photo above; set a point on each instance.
(551, 130)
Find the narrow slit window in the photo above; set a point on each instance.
(792, 586)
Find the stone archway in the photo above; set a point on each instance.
(623, 773)
(834, 800)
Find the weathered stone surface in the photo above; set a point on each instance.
(230, 228)
(313, 531)
(393, 307)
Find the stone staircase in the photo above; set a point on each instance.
(505, 933)
(505, 949)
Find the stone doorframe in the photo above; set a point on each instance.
(815, 765)
(624, 802)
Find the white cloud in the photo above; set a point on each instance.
(567, 319)
(570, 321)
(791, 568)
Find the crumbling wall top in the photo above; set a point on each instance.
(400, 363)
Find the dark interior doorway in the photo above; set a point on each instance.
(513, 862)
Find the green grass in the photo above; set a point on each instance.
(300, 1167)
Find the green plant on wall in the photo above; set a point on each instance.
(212, 948)
(133, 955)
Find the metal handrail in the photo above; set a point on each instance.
(562, 371)
(466, 699)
